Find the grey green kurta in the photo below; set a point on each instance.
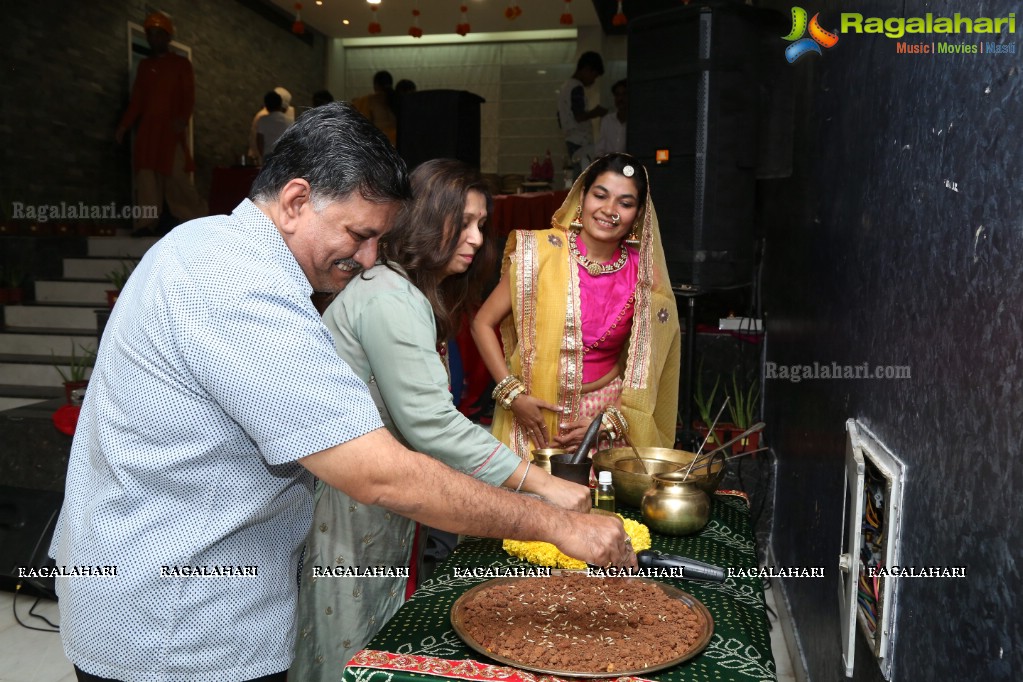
(384, 328)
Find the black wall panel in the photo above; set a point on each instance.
(898, 242)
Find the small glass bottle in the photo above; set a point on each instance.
(605, 492)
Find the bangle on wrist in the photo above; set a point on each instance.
(509, 389)
(503, 384)
(614, 422)
(524, 473)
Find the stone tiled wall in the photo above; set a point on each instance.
(65, 85)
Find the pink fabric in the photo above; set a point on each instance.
(601, 299)
(595, 402)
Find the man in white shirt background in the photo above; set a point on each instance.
(612, 127)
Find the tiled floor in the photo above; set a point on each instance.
(27, 655)
(782, 661)
(30, 656)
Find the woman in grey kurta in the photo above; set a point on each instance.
(386, 325)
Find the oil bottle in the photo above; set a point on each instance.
(605, 497)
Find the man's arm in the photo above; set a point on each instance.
(579, 106)
(376, 469)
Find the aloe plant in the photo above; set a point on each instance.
(743, 404)
(705, 405)
(120, 276)
(78, 366)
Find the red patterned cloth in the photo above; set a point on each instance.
(456, 670)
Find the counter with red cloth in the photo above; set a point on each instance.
(530, 211)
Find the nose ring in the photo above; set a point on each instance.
(617, 218)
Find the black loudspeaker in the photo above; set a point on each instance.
(436, 124)
(27, 520)
(701, 90)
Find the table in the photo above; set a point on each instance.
(419, 643)
(529, 211)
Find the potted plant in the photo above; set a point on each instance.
(705, 406)
(743, 407)
(117, 279)
(77, 368)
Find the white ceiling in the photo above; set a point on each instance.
(438, 16)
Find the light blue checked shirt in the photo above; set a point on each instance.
(214, 375)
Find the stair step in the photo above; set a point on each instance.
(120, 247)
(77, 318)
(33, 392)
(97, 269)
(36, 341)
(72, 291)
(34, 370)
(7, 403)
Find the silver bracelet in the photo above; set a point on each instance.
(524, 473)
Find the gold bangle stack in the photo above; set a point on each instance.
(614, 423)
(507, 390)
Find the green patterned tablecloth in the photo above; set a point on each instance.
(419, 643)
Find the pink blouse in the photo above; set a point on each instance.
(602, 302)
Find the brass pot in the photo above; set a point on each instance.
(630, 482)
(674, 506)
(542, 458)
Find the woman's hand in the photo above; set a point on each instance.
(565, 494)
(529, 413)
(572, 435)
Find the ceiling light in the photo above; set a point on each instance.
(345, 22)
(373, 2)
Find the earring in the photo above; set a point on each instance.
(577, 222)
(632, 237)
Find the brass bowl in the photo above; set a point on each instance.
(542, 457)
(674, 506)
(630, 482)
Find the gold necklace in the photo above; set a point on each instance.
(592, 267)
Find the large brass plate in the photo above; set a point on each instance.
(458, 623)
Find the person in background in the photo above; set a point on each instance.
(217, 397)
(161, 105)
(289, 112)
(573, 116)
(405, 85)
(387, 326)
(270, 127)
(379, 106)
(588, 320)
(321, 97)
(612, 127)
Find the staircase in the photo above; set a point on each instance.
(62, 320)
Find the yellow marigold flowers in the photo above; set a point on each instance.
(546, 554)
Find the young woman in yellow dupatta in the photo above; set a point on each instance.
(588, 321)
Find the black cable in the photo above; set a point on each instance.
(14, 609)
(32, 612)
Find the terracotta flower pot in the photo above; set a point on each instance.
(112, 297)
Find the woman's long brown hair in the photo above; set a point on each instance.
(426, 235)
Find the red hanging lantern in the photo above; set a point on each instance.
(619, 18)
(297, 27)
(463, 28)
(566, 16)
(512, 12)
(374, 25)
(414, 30)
